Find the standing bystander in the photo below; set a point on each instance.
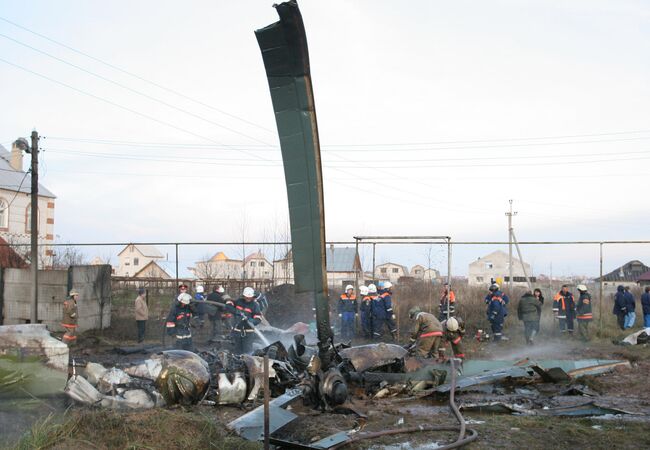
(141, 313)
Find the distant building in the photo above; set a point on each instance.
(644, 279)
(220, 267)
(15, 206)
(390, 271)
(626, 275)
(419, 272)
(133, 258)
(495, 266)
(283, 269)
(257, 267)
(343, 266)
(153, 270)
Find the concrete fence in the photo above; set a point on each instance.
(92, 282)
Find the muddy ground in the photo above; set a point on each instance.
(204, 427)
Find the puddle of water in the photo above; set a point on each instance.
(18, 415)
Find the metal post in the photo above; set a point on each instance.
(600, 298)
(267, 396)
(374, 278)
(448, 276)
(356, 271)
(510, 214)
(176, 247)
(521, 259)
(34, 227)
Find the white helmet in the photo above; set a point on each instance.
(185, 298)
(349, 287)
(220, 289)
(452, 324)
(581, 288)
(387, 285)
(199, 290)
(363, 290)
(372, 289)
(249, 292)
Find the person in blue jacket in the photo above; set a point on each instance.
(630, 303)
(365, 310)
(384, 308)
(645, 303)
(348, 308)
(620, 306)
(496, 314)
(377, 311)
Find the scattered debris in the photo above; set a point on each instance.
(638, 338)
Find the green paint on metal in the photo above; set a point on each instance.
(286, 60)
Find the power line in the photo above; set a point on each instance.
(135, 91)
(131, 74)
(125, 108)
(327, 148)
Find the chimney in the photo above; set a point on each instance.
(16, 160)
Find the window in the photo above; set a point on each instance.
(261, 263)
(136, 261)
(4, 213)
(479, 279)
(395, 270)
(489, 265)
(131, 248)
(383, 270)
(418, 272)
(28, 219)
(127, 261)
(252, 263)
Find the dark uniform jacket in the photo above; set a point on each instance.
(529, 308)
(583, 308)
(348, 303)
(178, 320)
(248, 312)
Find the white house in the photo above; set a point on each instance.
(15, 206)
(343, 266)
(133, 258)
(421, 273)
(390, 271)
(495, 266)
(257, 267)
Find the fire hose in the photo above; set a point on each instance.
(465, 436)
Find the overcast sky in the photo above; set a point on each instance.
(432, 115)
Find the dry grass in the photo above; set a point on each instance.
(155, 429)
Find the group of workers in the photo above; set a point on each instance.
(625, 307)
(239, 316)
(375, 309)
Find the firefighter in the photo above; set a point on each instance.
(564, 308)
(454, 329)
(496, 314)
(377, 312)
(348, 309)
(495, 291)
(426, 335)
(70, 318)
(366, 311)
(199, 308)
(178, 321)
(385, 309)
(529, 311)
(247, 316)
(447, 303)
(584, 314)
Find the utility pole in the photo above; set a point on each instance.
(509, 215)
(34, 226)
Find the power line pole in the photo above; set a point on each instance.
(34, 227)
(509, 215)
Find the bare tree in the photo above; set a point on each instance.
(206, 270)
(68, 256)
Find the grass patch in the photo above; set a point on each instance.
(152, 429)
